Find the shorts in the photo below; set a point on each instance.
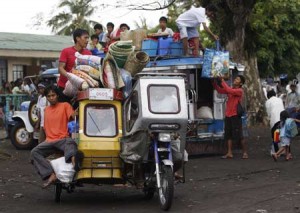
(233, 128)
(188, 32)
(284, 141)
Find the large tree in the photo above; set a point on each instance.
(74, 14)
(275, 33)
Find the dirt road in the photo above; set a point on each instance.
(213, 185)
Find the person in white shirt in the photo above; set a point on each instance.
(292, 103)
(163, 29)
(41, 105)
(274, 106)
(189, 21)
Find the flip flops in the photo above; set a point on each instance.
(226, 157)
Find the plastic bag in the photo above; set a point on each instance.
(126, 76)
(215, 63)
(64, 171)
(207, 62)
(220, 64)
(205, 113)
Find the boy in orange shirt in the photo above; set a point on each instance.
(56, 120)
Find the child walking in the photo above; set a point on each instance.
(285, 136)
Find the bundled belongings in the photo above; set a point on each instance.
(111, 77)
(215, 63)
(91, 60)
(74, 84)
(94, 73)
(136, 62)
(91, 82)
(120, 51)
(136, 36)
(126, 76)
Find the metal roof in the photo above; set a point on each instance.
(20, 41)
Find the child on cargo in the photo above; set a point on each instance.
(94, 45)
(163, 29)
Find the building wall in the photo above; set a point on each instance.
(30, 60)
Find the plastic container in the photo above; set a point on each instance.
(164, 45)
(150, 47)
(176, 48)
(218, 126)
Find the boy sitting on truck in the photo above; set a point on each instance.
(163, 29)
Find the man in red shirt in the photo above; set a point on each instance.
(56, 119)
(233, 122)
(67, 59)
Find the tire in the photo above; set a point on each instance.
(20, 137)
(33, 112)
(57, 191)
(167, 184)
(149, 193)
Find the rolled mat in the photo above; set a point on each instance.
(136, 62)
(111, 64)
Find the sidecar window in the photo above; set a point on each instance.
(132, 111)
(163, 99)
(100, 121)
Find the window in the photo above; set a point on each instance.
(132, 110)
(163, 99)
(100, 121)
(17, 72)
(3, 71)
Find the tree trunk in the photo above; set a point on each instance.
(252, 88)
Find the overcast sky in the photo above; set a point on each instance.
(18, 15)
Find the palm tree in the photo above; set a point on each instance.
(75, 14)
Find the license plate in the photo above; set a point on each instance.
(101, 94)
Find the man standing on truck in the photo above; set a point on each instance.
(189, 21)
(56, 120)
(67, 59)
(233, 122)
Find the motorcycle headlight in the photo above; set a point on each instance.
(164, 137)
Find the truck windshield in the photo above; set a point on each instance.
(100, 121)
(163, 99)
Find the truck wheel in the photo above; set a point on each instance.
(33, 112)
(167, 188)
(20, 137)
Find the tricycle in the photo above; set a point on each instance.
(131, 141)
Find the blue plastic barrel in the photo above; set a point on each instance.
(176, 48)
(164, 45)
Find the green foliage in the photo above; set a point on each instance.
(277, 32)
(74, 14)
(272, 30)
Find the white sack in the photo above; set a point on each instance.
(205, 113)
(64, 171)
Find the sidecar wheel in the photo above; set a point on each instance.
(58, 190)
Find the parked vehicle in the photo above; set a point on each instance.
(131, 142)
(205, 134)
(21, 128)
